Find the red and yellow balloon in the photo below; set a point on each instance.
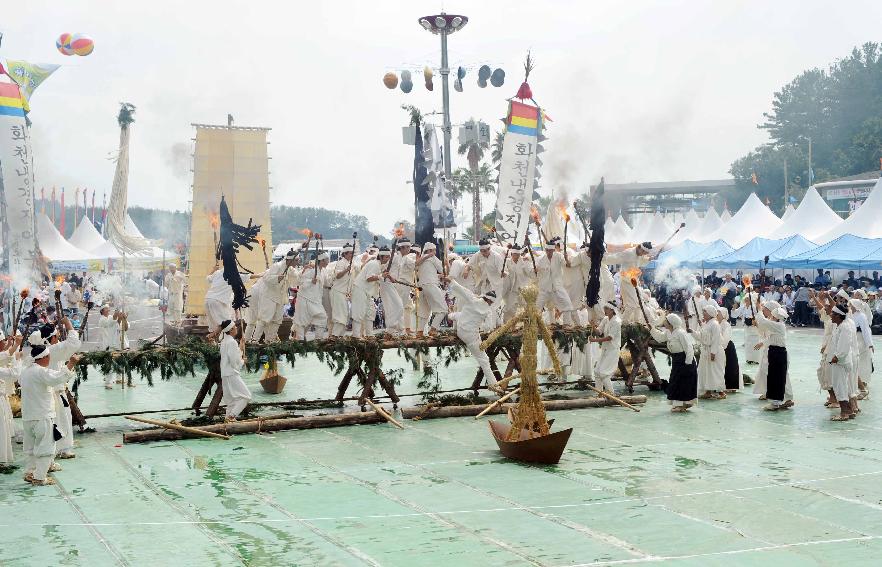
(74, 44)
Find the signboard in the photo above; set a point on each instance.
(517, 171)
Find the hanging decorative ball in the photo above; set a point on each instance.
(63, 44)
(427, 75)
(460, 73)
(497, 78)
(82, 45)
(406, 86)
(457, 85)
(524, 91)
(483, 75)
(390, 80)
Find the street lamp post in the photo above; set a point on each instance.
(444, 25)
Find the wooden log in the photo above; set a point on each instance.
(609, 396)
(191, 430)
(550, 405)
(239, 427)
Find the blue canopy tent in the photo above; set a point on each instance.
(848, 252)
(678, 254)
(753, 253)
(712, 250)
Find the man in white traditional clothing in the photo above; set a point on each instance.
(393, 308)
(218, 299)
(175, 281)
(269, 306)
(712, 364)
(610, 341)
(60, 351)
(518, 275)
(403, 269)
(236, 393)
(109, 339)
(365, 289)
(551, 286)
(863, 319)
(39, 384)
(473, 311)
(10, 369)
(341, 285)
(838, 355)
(485, 267)
(433, 305)
(310, 312)
(630, 261)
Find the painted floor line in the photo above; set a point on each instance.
(656, 559)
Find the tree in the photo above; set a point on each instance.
(477, 183)
(474, 152)
(839, 109)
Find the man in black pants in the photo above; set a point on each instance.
(800, 307)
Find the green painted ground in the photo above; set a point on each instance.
(728, 484)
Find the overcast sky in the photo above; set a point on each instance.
(638, 91)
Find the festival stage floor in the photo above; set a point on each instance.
(727, 484)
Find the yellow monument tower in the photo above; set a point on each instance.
(231, 161)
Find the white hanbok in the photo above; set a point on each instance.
(236, 393)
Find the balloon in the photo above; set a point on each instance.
(390, 80)
(406, 86)
(497, 78)
(63, 44)
(82, 45)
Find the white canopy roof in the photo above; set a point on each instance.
(865, 222)
(708, 225)
(614, 233)
(656, 229)
(811, 220)
(86, 236)
(752, 219)
(726, 216)
(623, 225)
(788, 212)
(54, 246)
(693, 223)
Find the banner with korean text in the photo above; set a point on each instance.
(21, 251)
(517, 171)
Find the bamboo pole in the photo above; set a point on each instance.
(384, 414)
(497, 402)
(175, 426)
(609, 396)
(550, 405)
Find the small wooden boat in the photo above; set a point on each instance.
(273, 383)
(546, 450)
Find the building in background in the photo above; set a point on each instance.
(635, 199)
(846, 194)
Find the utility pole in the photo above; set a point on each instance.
(786, 186)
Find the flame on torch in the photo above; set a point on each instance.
(746, 281)
(633, 274)
(534, 214)
(399, 231)
(306, 232)
(262, 242)
(59, 280)
(214, 220)
(562, 209)
(24, 293)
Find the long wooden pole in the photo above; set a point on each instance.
(175, 426)
(613, 398)
(498, 402)
(384, 414)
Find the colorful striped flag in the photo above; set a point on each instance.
(523, 119)
(11, 103)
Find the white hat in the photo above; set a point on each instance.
(290, 254)
(710, 309)
(781, 313)
(843, 294)
(840, 311)
(550, 246)
(772, 305)
(36, 339)
(856, 304)
(723, 311)
(429, 246)
(675, 320)
(611, 305)
(324, 256)
(228, 326)
(859, 292)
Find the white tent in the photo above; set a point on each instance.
(693, 223)
(623, 225)
(86, 236)
(639, 222)
(810, 220)
(726, 216)
(865, 222)
(656, 229)
(54, 246)
(752, 219)
(614, 233)
(708, 225)
(788, 212)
